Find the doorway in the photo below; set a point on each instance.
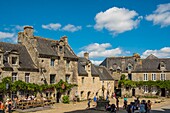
(163, 94)
(133, 92)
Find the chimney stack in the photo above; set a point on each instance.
(29, 31)
(86, 55)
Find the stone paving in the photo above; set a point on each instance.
(80, 107)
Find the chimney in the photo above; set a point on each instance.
(65, 40)
(86, 55)
(29, 31)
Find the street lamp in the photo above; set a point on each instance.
(103, 88)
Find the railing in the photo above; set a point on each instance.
(26, 104)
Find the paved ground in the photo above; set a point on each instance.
(81, 107)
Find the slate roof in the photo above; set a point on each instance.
(151, 63)
(104, 73)
(25, 61)
(95, 70)
(45, 47)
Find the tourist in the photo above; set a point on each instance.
(1, 107)
(137, 102)
(142, 107)
(88, 103)
(125, 102)
(149, 106)
(95, 100)
(117, 103)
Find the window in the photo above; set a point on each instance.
(67, 64)
(82, 80)
(14, 60)
(52, 62)
(153, 76)
(145, 77)
(52, 79)
(68, 78)
(27, 77)
(145, 89)
(154, 89)
(60, 48)
(93, 79)
(14, 77)
(162, 76)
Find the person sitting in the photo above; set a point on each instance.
(108, 107)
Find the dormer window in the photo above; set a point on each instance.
(14, 60)
(162, 66)
(129, 67)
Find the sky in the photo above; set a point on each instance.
(103, 28)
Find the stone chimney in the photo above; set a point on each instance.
(29, 31)
(86, 55)
(65, 40)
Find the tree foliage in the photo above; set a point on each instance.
(20, 85)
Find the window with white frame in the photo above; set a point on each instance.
(145, 78)
(14, 77)
(153, 76)
(162, 76)
(145, 88)
(27, 77)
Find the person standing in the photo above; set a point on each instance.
(117, 103)
(125, 102)
(1, 107)
(88, 103)
(149, 106)
(142, 107)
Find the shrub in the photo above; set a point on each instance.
(66, 99)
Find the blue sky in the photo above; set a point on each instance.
(103, 28)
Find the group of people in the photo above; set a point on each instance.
(7, 107)
(142, 106)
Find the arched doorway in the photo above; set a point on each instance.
(88, 94)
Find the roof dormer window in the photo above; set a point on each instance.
(129, 67)
(14, 60)
(162, 66)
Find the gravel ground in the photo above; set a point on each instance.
(80, 107)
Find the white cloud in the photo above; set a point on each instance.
(96, 50)
(162, 53)
(52, 26)
(161, 16)
(96, 62)
(6, 35)
(71, 28)
(117, 20)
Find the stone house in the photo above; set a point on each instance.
(138, 69)
(92, 79)
(44, 61)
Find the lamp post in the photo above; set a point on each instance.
(103, 88)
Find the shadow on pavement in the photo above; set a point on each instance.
(91, 110)
(158, 111)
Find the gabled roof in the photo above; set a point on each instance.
(44, 47)
(49, 47)
(151, 56)
(151, 63)
(25, 60)
(104, 73)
